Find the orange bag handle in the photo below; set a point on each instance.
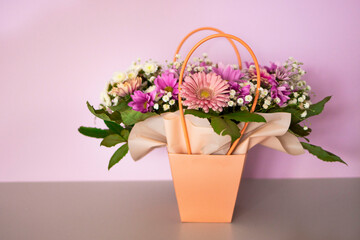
(213, 29)
(183, 123)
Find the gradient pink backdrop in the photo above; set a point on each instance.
(55, 55)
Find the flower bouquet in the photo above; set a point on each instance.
(208, 115)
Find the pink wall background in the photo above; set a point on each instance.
(55, 55)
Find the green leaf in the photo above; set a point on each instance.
(245, 116)
(225, 127)
(198, 113)
(130, 117)
(321, 153)
(122, 106)
(93, 132)
(317, 108)
(118, 155)
(125, 134)
(115, 127)
(299, 130)
(112, 140)
(103, 114)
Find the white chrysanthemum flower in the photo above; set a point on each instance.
(232, 92)
(105, 98)
(132, 74)
(267, 102)
(308, 88)
(166, 107)
(156, 106)
(189, 69)
(177, 56)
(265, 106)
(291, 87)
(195, 59)
(301, 99)
(235, 66)
(169, 94)
(152, 79)
(209, 68)
(230, 103)
(172, 102)
(303, 114)
(296, 94)
(240, 101)
(205, 55)
(119, 77)
(165, 98)
(306, 105)
(248, 98)
(305, 128)
(150, 89)
(301, 72)
(277, 100)
(150, 67)
(265, 92)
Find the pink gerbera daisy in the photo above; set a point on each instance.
(206, 91)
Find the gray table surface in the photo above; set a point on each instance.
(265, 209)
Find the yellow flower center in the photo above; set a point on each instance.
(205, 93)
(169, 89)
(145, 105)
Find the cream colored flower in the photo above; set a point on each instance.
(165, 98)
(150, 68)
(230, 103)
(248, 98)
(105, 99)
(172, 102)
(132, 74)
(119, 77)
(240, 101)
(166, 107)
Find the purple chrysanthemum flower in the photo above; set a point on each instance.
(267, 79)
(228, 72)
(272, 68)
(282, 92)
(240, 91)
(142, 102)
(282, 73)
(167, 83)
